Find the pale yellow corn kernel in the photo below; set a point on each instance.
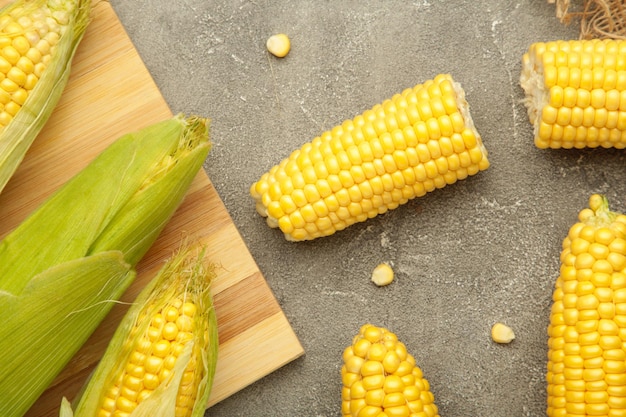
(34, 55)
(21, 44)
(5, 65)
(31, 81)
(382, 275)
(17, 76)
(39, 69)
(5, 118)
(10, 54)
(279, 45)
(501, 333)
(12, 108)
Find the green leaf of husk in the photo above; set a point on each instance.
(120, 202)
(185, 276)
(17, 137)
(108, 206)
(55, 314)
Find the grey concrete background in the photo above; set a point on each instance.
(480, 251)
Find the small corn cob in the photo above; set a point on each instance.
(380, 379)
(62, 268)
(413, 143)
(38, 39)
(586, 373)
(161, 360)
(576, 93)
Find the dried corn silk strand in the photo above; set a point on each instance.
(598, 18)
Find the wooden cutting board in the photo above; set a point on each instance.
(111, 93)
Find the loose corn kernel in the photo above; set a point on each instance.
(382, 275)
(387, 383)
(501, 333)
(566, 89)
(279, 45)
(396, 151)
(586, 352)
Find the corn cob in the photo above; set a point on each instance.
(413, 143)
(61, 269)
(380, 379)
(575, 93)
(38, 39)
(161, 360)
(586, 373)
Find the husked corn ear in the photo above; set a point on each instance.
(576, 93)
(586, 373)
(162, 358)
(62, 269)
(413, 143)
(38, 39)
(380, 378)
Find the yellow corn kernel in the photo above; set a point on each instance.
(501, 333)
(388, 383)
(582, 370)
(566, 89)
(278, 45)
(382, 275)
(398, 150)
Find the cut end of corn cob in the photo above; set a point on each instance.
(575, 93)
(380, 378)
(586, 372)
(162, 358)
(405, 147)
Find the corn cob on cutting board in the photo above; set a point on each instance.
(111, 93)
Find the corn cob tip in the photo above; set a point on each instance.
(380, 378)
(419, 140)
(165, 349)
(586, 366)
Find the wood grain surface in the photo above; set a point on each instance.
(111, 93)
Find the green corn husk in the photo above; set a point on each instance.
(184, 278)
(17, 137)
(61, 268)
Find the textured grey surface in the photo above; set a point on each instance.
(482, 250)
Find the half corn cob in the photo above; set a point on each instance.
(63, 267)
(162, 358)
(38, 39)
(586, 372)
(380, 379)
(576, 93)
(413, 143)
